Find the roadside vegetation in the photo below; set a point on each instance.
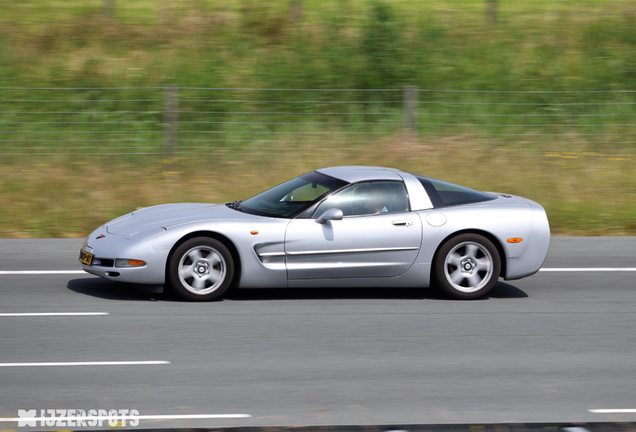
(585, 180)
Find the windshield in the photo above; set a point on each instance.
(292, 197)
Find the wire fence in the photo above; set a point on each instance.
(489, 13)
(176, 121)
(124, 13)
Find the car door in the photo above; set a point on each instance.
(378, 235)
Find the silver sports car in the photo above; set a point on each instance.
(341, 226)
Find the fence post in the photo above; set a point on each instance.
(109, 8)
(410, 109)
(296, 10)
(170, 125)
(491, 12)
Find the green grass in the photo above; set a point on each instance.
(556, 148)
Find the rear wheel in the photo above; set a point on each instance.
(201, 269)
(467, 266)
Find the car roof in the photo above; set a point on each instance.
(354, 174)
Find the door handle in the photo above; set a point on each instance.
(404, 222)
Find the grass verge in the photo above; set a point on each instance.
(584, 194)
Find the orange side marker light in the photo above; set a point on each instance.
(515, 240)
(253, 232)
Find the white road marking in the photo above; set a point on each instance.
(553, 269)
(566, 269)
(590, 269)
(137, 417)
(41, 272)
(613, 411)
(189, 416)
(43, 314)
(98, 363)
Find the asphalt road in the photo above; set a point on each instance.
(548, 348)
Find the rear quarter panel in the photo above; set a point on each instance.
(500, 219)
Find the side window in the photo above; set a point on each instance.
(367, 199)
(444, 194)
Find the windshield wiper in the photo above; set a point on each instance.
(234, 205)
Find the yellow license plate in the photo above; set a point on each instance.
(85, 257)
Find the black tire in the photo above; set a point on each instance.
(201, 269)
(467, 266)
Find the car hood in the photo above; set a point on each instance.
(170, 215)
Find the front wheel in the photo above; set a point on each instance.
(201, 269)
(467, 266)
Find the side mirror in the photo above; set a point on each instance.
(331, 214)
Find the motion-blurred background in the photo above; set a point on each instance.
(107, 106)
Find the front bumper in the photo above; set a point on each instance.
(108, 248)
